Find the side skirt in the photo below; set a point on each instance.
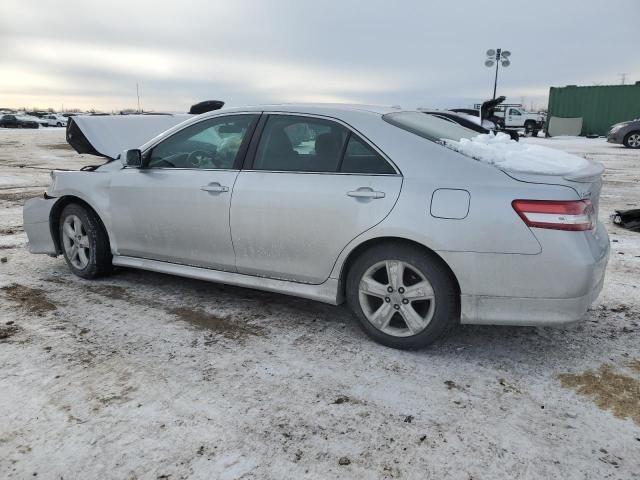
(326, 292)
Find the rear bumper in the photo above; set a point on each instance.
(524, 311)
(554, 287)
(36, 214)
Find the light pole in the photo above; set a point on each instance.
(498, 57)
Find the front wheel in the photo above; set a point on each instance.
(632, 140)
(402, 296)
(85, 244)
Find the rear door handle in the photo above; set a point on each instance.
(214, 187)
(365, 192)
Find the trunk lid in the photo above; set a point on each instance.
(585, 181)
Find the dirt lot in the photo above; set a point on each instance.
(143, 375)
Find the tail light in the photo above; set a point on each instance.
(574, 215)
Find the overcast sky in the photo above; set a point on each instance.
(90, 54)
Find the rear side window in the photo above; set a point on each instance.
(300, 144)
(307, 144)
(361, 158)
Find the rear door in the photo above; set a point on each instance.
(312, 186)
(176, 209)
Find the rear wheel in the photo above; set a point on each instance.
(530, 129)
(402, 296)
(632, 140)
(85, 244)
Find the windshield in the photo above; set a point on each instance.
(428, 126)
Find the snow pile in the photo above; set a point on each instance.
(507, 154)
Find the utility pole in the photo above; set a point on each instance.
(499, 57)
(623, 77)
(138, 95)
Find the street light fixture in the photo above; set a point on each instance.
(499, 57)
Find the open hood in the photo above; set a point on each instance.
(108, 135)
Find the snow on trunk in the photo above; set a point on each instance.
(507, 154)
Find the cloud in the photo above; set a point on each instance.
(92, 54)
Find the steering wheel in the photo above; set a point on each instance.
(199, 158)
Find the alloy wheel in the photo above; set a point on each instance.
(76, 242)
(396, 298)
(634, 140)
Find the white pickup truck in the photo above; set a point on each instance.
(516, 117)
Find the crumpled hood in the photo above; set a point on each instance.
(109, 135)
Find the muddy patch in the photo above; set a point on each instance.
(58, 146)
(11, 230)
(224, 326)
(18, 197)
(7, 331)
(33, 300)
(114, 292)
(608, 389)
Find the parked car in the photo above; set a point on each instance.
(362, 204)
(625, 133)
(471, 122)
(15, 121)
(55, 120)
(31, 118)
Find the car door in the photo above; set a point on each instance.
(176, 208)
(515, 118)
(313, 185)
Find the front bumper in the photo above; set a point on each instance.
(615, 137)
(36, 214)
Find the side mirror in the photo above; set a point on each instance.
(131, 158)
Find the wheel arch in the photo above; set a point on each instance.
(367, 244)
(56, 212)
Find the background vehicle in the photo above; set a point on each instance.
(371, 205)
(15, 121)
(470, 121)
(514, 116)
(625, 133)
(55, 120)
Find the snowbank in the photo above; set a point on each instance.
(507, 154)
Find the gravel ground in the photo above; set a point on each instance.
(148, 376)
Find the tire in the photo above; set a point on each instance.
(500, 124)
(530, 128)
(632, 139)
(58, 124)
(438, 314)
(81, 228)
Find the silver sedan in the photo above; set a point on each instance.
(358, 204)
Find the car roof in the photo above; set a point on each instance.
(312, 108)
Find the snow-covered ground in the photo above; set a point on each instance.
(148, 376)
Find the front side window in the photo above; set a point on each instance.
(513, 111)
(300, 144)
(210, 144)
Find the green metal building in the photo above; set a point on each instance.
(599, 106)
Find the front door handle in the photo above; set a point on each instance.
(214, 187)
(365, 192)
